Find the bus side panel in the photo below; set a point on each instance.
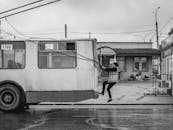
(59, 96)
(85, 67)
(14, 75)
(56, 80)
(31, 65)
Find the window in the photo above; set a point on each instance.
(12, 55)
(57, 55)
(140, 64)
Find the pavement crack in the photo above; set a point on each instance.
(139, 98)
(121, 97)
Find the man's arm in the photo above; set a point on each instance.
(109, 69)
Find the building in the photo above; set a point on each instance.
(167, 66)
(134, 58)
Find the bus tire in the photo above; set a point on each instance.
(10, 98)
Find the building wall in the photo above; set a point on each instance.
(167, 58)
(167, 63)
(124, 75)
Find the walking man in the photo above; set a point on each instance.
(112, 78)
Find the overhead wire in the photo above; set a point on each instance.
(7, 32)
(141, 31)
(86, 58)
(27, 37)
(29, 9)
(14, 36)
(166, 23)
(14, 28)
(20, 7)
(160, 31)
(102, 33)
(44, 33)
(83, 57)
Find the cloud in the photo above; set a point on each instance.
(91, 15)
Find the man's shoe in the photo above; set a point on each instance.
(110, 100)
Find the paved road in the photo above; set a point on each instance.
(87, 117)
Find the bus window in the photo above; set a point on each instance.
(57, 55)
(12, 55)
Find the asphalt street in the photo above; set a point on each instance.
(90, 117)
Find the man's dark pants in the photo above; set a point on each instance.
(110, 85)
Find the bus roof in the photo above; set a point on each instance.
(72, 40)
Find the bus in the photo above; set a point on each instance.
(34, 71)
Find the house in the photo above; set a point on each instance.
(134, 58)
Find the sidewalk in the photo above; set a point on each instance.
(131, 93)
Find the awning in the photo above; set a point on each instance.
(138, 52)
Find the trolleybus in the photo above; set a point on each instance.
(35, 71)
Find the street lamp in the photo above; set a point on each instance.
(157, 33)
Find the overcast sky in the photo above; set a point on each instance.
(107, 20)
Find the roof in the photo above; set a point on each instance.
(125, 42)
(137, 52)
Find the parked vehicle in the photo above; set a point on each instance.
(47, 71)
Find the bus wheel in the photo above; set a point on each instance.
(10, 98)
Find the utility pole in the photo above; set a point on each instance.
(157, 39)
(65, 30)
(157, 31)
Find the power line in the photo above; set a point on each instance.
(28, 37)
(7, 32)
(29, 9)
(82, 57)
(137, 26)
(87, 33)
(20, 7)
(79, 32)
(166, 23)
(141, 31)
(14, 36)
(130, 32)
(42, 33)
(14, 28)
